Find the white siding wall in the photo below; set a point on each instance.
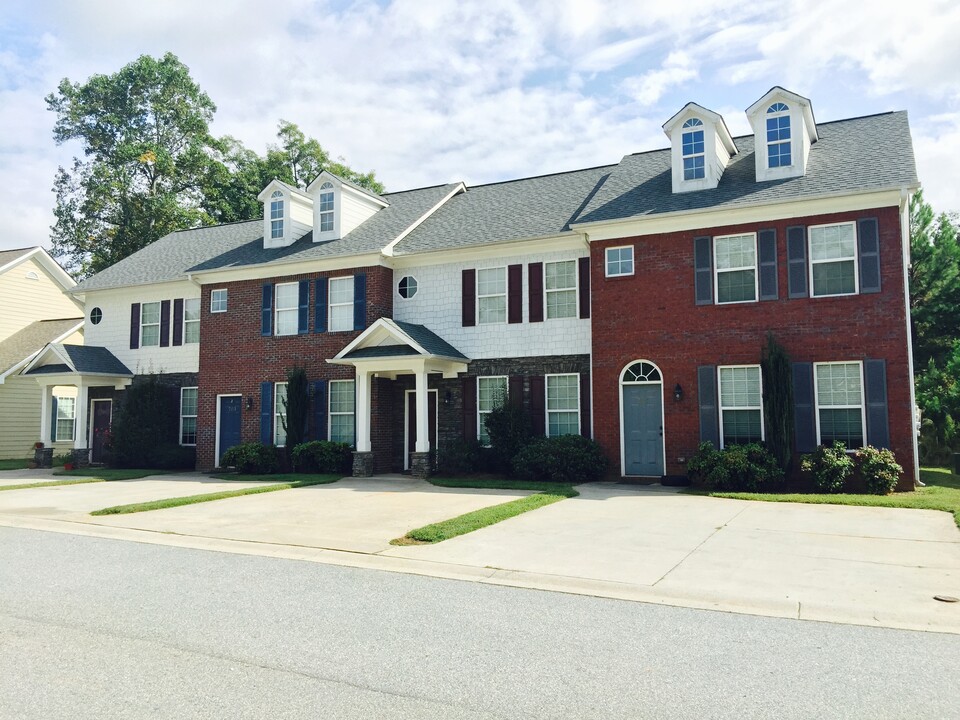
(437, 305)
(113, 332)
(22, 301)
(354, 210)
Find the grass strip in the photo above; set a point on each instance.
(208, 497)
(52, 483)
(463, 524)
(268, 477)
(111, 473)
(15, 464)
(503, 484)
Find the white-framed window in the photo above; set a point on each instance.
(325, 207)
(66, 418)
(188, 416)
(287, 310)
(778, 136)
(279, 414)
(276, 215)
(96, 315)
(833, 260)
(491, 295)
(561, 288)
(150, 324)
(563, 405)
(693, 150)
(191, 320)
(408, 287)
(619, 261)
(839, 396)
(741, 404)
(343, 404)
(735, 263)
(340, 304)
(491, 394)
(218, 300)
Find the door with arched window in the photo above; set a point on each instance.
(641, 419)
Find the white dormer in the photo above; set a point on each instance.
(339, 206)
(701, 147)
(287, 214)
(783, 130)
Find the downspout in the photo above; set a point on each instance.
(905, 242)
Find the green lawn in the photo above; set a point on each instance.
(51, 483)
(15, 464)
(111, 473)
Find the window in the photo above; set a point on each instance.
(563, 405)
(619, 261)
(735, 260)
(778, 136)
(491, 393)
(492, 295)
(66, 417)
(839, 403)
(288, 308)
(325, 207)
(407, 287)
(96, 315)
(150, 324)
(276, 215)
(833, 259)
(342, 408)
(218, 300)
(741, 405)
(279, 414)
(561, 287)
(188, 416)
(693, 150)
(341, 304)
(191, 320)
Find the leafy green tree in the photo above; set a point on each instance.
(777, 401)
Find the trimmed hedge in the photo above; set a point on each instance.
(566, 459)
(830, 467)
(323, 456)
(736, 468)
(878, 469)
(252, 458)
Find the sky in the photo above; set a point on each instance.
(426, 91)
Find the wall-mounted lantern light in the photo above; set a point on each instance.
(678, 393)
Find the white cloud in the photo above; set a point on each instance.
(648, 88)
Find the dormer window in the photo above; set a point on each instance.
(325, 207)
(276, 215)
(693, 150)
(783, 132)
(778, 135)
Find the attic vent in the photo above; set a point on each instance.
(32, 276)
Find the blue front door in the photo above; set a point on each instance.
(643, 429)
(229, 423)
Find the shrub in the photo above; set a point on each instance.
(878, 469)
(62, 459)
(147, 419)
(509, 427)
(737, 468)
(460, 457)
(171, 456)
(252, 458)
(830, 467)
(323, 456)
(566, 459)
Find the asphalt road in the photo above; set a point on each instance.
(93, 628)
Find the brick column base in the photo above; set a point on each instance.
(420, 466)
(362, 464)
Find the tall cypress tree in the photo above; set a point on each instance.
(777, 400)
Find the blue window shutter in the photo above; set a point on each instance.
(320, 306)
(359, 301)
(767, 241)
(868, 236)
(266, 413)
(303, 314)
(53, 421)
(320, 409)
(703, 267)
(875, 386)
(266, 310)
(797, 261)
(707, 396)
(804, 410)
(134, 326)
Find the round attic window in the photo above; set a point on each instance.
(408, 287)
(96, 315)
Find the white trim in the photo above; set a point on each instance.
(406, 422)
(388, 249)
(863, 399)
(546, 293)
(415, 291)
(216, 442)
(13, 368)
(184, 322)
(720, 407)
(663, 424)
(93, 420)
(277, 309)
(216, 290)
(56, 419)
(51, 266)
(506, 393)
(330, 412)
(905, 248)
(331, 305)
(505, 294)
(196, 429)
(606, 261)
(158, 324)
(496, 250)
(717, 270)
(546, 403)
(856, 258)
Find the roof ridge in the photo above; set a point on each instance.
(544, 175)
(425, 187)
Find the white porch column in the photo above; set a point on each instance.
(80, 423)
(46, 407)
(423, 412)
(363, 411)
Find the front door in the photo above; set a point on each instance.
(411, 432)
(643, 429)
(228, 422)
(102, 412)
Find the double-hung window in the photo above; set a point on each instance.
(325, 207)
(492, 295)
(833, 259)
(150, 324)
(191, 320)
(218, 300)
(66, 418)
(188, 416)
(778, 136)
(491, 394)
(287, 310)
(741, 405)
(561, 289)
(276, 215)
(342, 411)
(839, 391)
(341, 304)
(563, 405)
(280, 414)
(693, 150)
(619, 261)
(736, 263)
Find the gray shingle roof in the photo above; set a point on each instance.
(381, 351)
(85, 359)
(8, 256)
(429, 340)
(33, 338)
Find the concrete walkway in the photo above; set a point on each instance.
(869, 566)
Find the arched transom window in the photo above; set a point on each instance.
(325, 201)
(693, 153)
(778, 136)
(642, 371)
(276, 214)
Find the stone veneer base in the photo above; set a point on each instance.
(362, 464)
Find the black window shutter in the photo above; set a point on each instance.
(53, 421)
(538, 413)
(165, 323)
(804, 410)
(868, 234)
(469, 391)
(320, 307)
(303, 307)
(535, 288)
(515, 294)
(584, 269)
(797, 261)
(468, 298)
(875, 382)
(178, 321)
(134, 326)
(703, 269)
(585, 405)
(266, 413)
(359, 301)
(769, 287)
(707, 397)
(266, 310)
(515, 391)
(320, 409)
